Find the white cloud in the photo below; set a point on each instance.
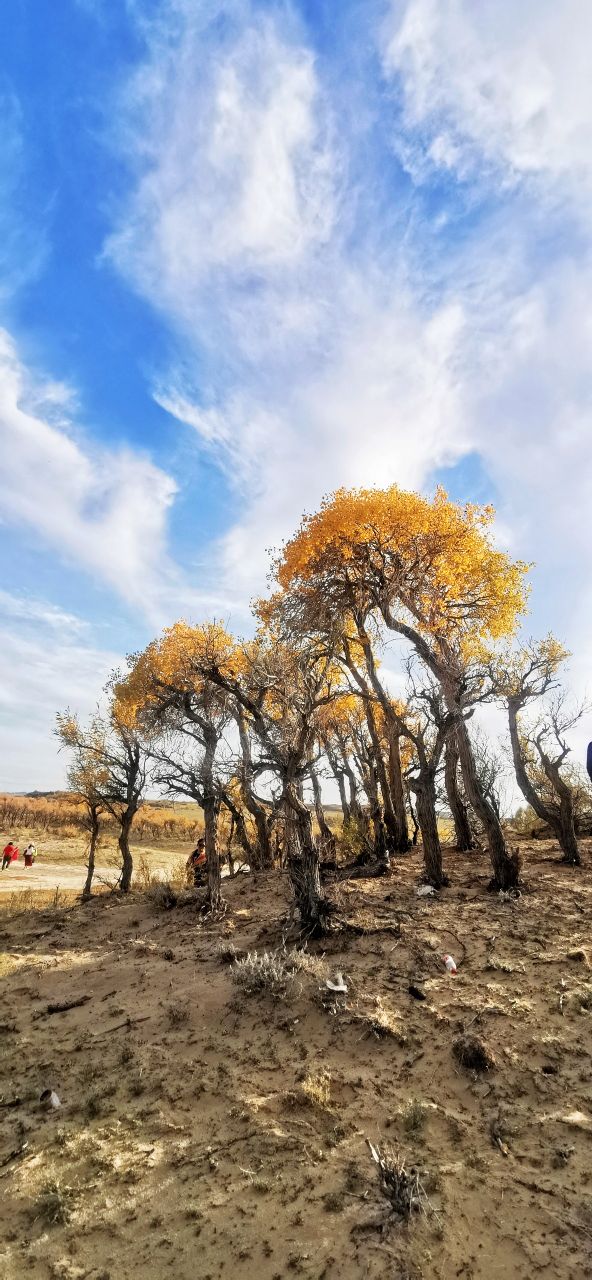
(495, 84)
(235, 176)
(102, 510)
(47, 665)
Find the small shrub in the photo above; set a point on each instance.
(267, 973)
(177, 1015)
(414, 1116)
(304, 962)
(401, 1186)
(162, 895)
(53, 1204)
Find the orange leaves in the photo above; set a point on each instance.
(177, 662)
(429, 561)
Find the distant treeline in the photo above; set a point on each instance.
(64, 814)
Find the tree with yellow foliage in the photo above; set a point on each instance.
(428, 571)
(168, 696)
(87, 777)
(112, 751)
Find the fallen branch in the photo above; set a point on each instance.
(62, 1006)
(19, 1151)
(128, 1022)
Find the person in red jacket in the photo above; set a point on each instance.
(196, 863)
(10, 854)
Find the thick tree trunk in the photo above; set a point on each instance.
(313, 907)
(327, 837)
(94, 836)
(390, 821)
(462, 829)
(567, 830)
(425, 795)
(397, 790)
(127, 862)
(262, 859)
(506, 867)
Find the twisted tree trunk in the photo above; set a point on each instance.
(211, 809)
(93, 814)
(390, 822)
(397, 790)
(263, 859)
(425, 796)
(462, 829)
(327, 837)
(561, 819)
(506, 867)
(127, 862)
(313, 907)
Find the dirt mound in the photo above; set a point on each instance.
(219, 1118)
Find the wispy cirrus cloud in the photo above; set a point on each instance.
(102, 510)
(488, 86)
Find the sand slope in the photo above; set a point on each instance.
(205, 1132)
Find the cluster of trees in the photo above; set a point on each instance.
(250, 726)
(66, 814)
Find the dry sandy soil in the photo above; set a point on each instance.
(61, 863)
(207, 1131)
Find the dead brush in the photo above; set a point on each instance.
(162, 896)
(382, 1023)
(267, 973)
(316, 1088)
(177, 1015)
(401, 1186)
(53, 1204)
(473, 1053)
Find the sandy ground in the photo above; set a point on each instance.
(205, 1131)
(61, 863)
(50, 875)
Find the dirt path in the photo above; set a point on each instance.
(50, 875)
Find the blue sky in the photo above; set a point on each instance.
(253, 251)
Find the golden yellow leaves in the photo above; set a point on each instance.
(431, 561)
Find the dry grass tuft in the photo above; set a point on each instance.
(266, 973)
(316, 1088)
(401, 1186)
(177, 1015)
(53, 1204)
(162, 895)
(414, 1115)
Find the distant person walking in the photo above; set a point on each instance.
(10, 854)
(589, 761)
(29, 854)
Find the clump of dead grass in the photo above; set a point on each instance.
(177, 1015)
(316, 1088)
(53, 1204)
(265, 973)
(382, 1023)
(162, 895)
(414, 1115)
(400, 1185)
